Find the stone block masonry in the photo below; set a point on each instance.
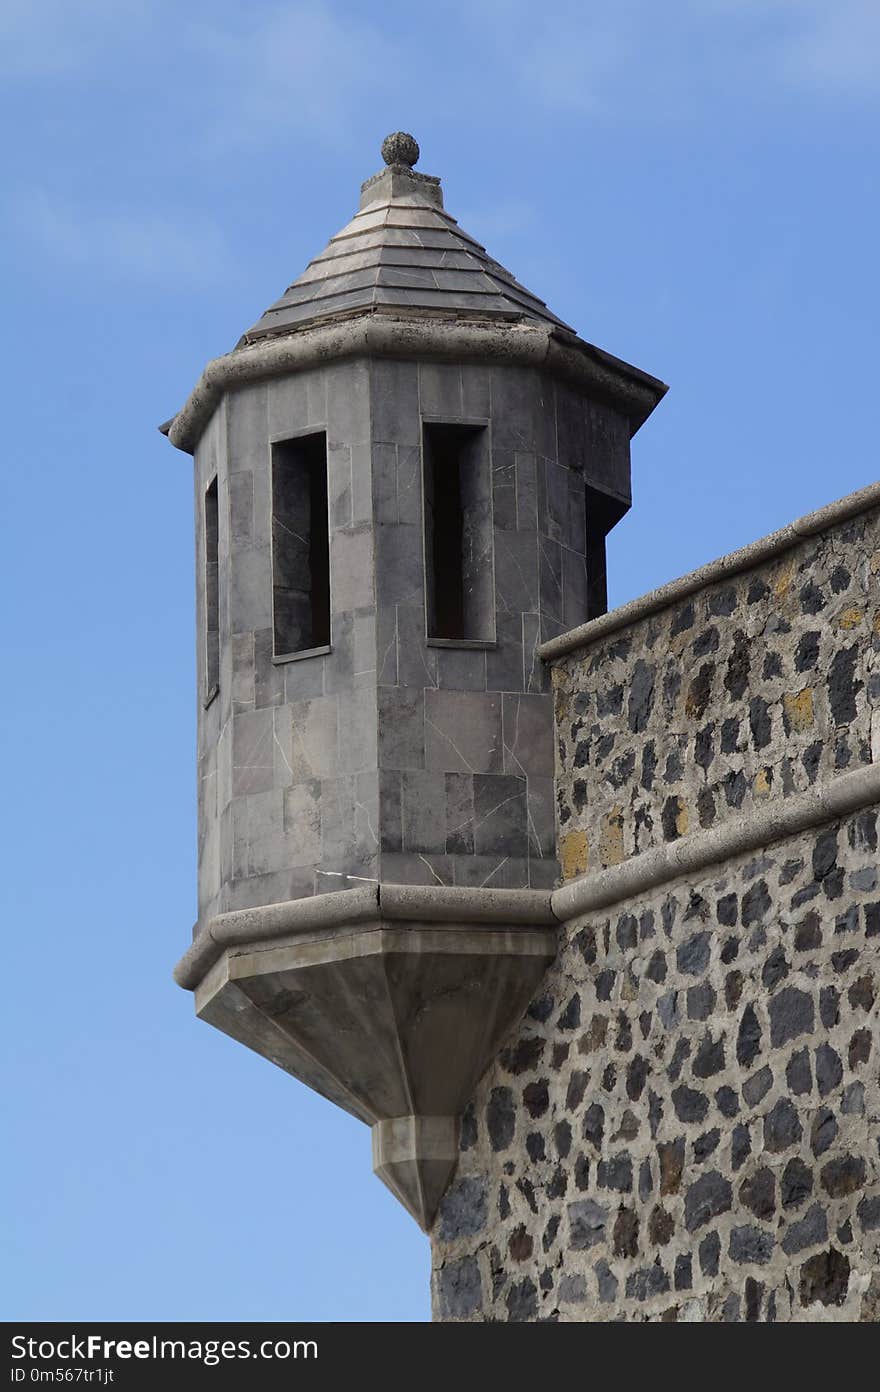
(686, 1126)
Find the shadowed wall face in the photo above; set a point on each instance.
(465, 726)
(685, 1126)
(300, 545)
(459, 555)
(288, 749)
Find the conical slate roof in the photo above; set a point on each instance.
(402, 252)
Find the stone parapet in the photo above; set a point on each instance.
(730, 692)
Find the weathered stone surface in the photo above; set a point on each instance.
(825, 1278)
(500, 1118)
(808, 1232)
(769, 677)
(626, 1233)
(796, 1183)
(727, 1101)
(684, 1272)
(522, 1301)
(843, 1175)
(459, 1288)
(740, 1146)
(616, 1173)
(707, 1197)
(748, 1039)
(782, 1126)
(758, 1193)
(798, 1074)
(709, 1253)
(463, 1208)
(747, 988)
(870, 1306)
(829, 1069)
(647, 1282)
(593, 1127)
(791, 1014)
(692, 957)
(869, 1214)
(520, 1244)
(690, 1105)
(573, 1290)
(754, 1089)
(824, 1131)
(671, 1157)
(706, 1145)
(587, 1220)
(750, 1246)
(709, 1058)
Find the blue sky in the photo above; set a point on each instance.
(693, 185)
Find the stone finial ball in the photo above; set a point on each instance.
(400, 148)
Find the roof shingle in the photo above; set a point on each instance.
(402, 250)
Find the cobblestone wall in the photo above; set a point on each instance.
(755, 688)
(686, 1126)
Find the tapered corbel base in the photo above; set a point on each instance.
(391, 1001)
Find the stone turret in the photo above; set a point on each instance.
(404, 476)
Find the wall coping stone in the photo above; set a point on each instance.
(367, 903)
(746, 558)
(394, 335)
(530, 907)
(835, 798)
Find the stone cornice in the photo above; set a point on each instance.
(381, 334)
(746, 558)
(369, 903)
(739, 836)
(506, 908)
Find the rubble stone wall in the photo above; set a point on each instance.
(757, 687)
(686, 1125)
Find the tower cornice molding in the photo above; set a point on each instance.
(379, 334)
(345, 908)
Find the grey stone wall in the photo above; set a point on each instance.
(687, 1123)
(389, 756)
(288, 777)
(465, 733)
(756, 688)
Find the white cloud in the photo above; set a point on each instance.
(295, 67)
(53, 38)
(838, 49)
(639, 55)
(132, 244)
(224, 75)
(238, 72)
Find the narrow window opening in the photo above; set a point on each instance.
(458, 534)
(603, 513)
(300, 545)
(212, 592)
